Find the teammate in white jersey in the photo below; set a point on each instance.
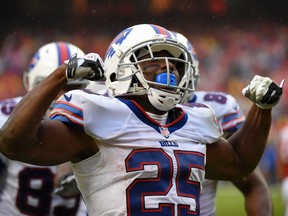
(253, 187)
(28, 189)
(282, 162)
(227, 110)
(138, 152)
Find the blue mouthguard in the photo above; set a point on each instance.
(162, 78)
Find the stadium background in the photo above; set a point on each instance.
(234, 41)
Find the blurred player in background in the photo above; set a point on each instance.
(27, 189)
(227, 110)
(282, 162)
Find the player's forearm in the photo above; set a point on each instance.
(257, 195)
(22, 126)
(250, 140)
(258, 203)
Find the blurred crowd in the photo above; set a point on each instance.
(229, 58)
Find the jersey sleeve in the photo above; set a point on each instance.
(205, 126)
(69, 109)
(211, 130)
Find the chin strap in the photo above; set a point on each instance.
(161, 100)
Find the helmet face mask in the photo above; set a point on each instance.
(124, 74)
(46, 60)
(182, 39)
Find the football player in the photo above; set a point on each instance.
(28, 189)
(138, 152)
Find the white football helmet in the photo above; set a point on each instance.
(125, 77)
(47, 59)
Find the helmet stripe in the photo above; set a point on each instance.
(118, 40)
(34, 60)
(161, 30)
(63, 52)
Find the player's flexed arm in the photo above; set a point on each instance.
(24, 138)
(240, 155)
(257, 195)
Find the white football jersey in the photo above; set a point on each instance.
(142, 167)
(27, 189)
(230, 116)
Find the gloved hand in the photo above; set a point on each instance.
(67, 186)
(263, 92)
(89, 67)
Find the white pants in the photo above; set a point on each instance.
(284, 192)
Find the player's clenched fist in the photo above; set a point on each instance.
(263, 92)
(90, 67)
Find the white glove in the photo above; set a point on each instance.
(263, 92)
(67, 187)
(89, 67)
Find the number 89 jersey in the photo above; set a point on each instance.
(142, 168)
(27, 189)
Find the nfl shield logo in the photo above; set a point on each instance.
(165, 132)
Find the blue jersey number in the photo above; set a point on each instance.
(149, 195)
(7, 106)
(37, 200)
(215, 97)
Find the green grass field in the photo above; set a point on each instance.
(231, 202)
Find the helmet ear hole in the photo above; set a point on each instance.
(113, 77)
